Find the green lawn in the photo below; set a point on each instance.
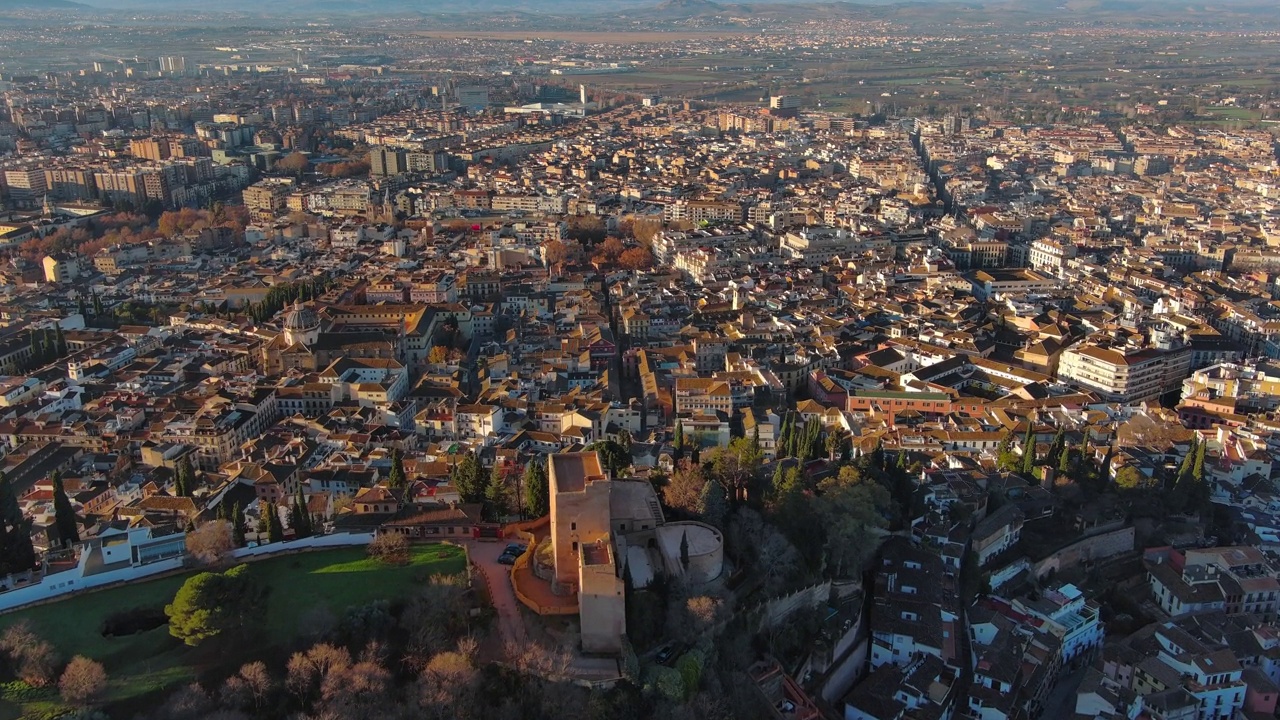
(151, 661)
(1234, 113)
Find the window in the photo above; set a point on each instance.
(573, 526)
(575, 547)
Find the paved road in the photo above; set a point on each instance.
(510, 624)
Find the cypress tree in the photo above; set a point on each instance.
(64, 514)
(1188, 462)
(396, 478)
(17, 554)
(1059, 442)
(264, 517)
(1029, 449)
(1004, 452)
(535, 489)
(1197, 467)
(877, 456)
(677, 443)
(237, 525)
(10, 513)
(779, 477)
(495, 493)
(275, 529)
(1064, 461)
(184, 477)
(301, 518)
(684, 550)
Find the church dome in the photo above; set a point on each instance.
(301, 318)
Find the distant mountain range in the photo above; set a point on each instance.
(42, 4)
(938, 10)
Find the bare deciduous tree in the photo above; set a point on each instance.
(306, 671)
(35, 660)
(704, 611)
(211, 543)
(82, 682)
(684, 490)
(390, 548)
(188, 703)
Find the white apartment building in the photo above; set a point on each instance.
(1067, 615)
(1127, 374)
(1050, 256)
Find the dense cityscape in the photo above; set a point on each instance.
(690, 361)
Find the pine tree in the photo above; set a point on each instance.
(466, 478)
(64, 514)
(713, 504)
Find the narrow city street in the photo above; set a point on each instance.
(1061, 702)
